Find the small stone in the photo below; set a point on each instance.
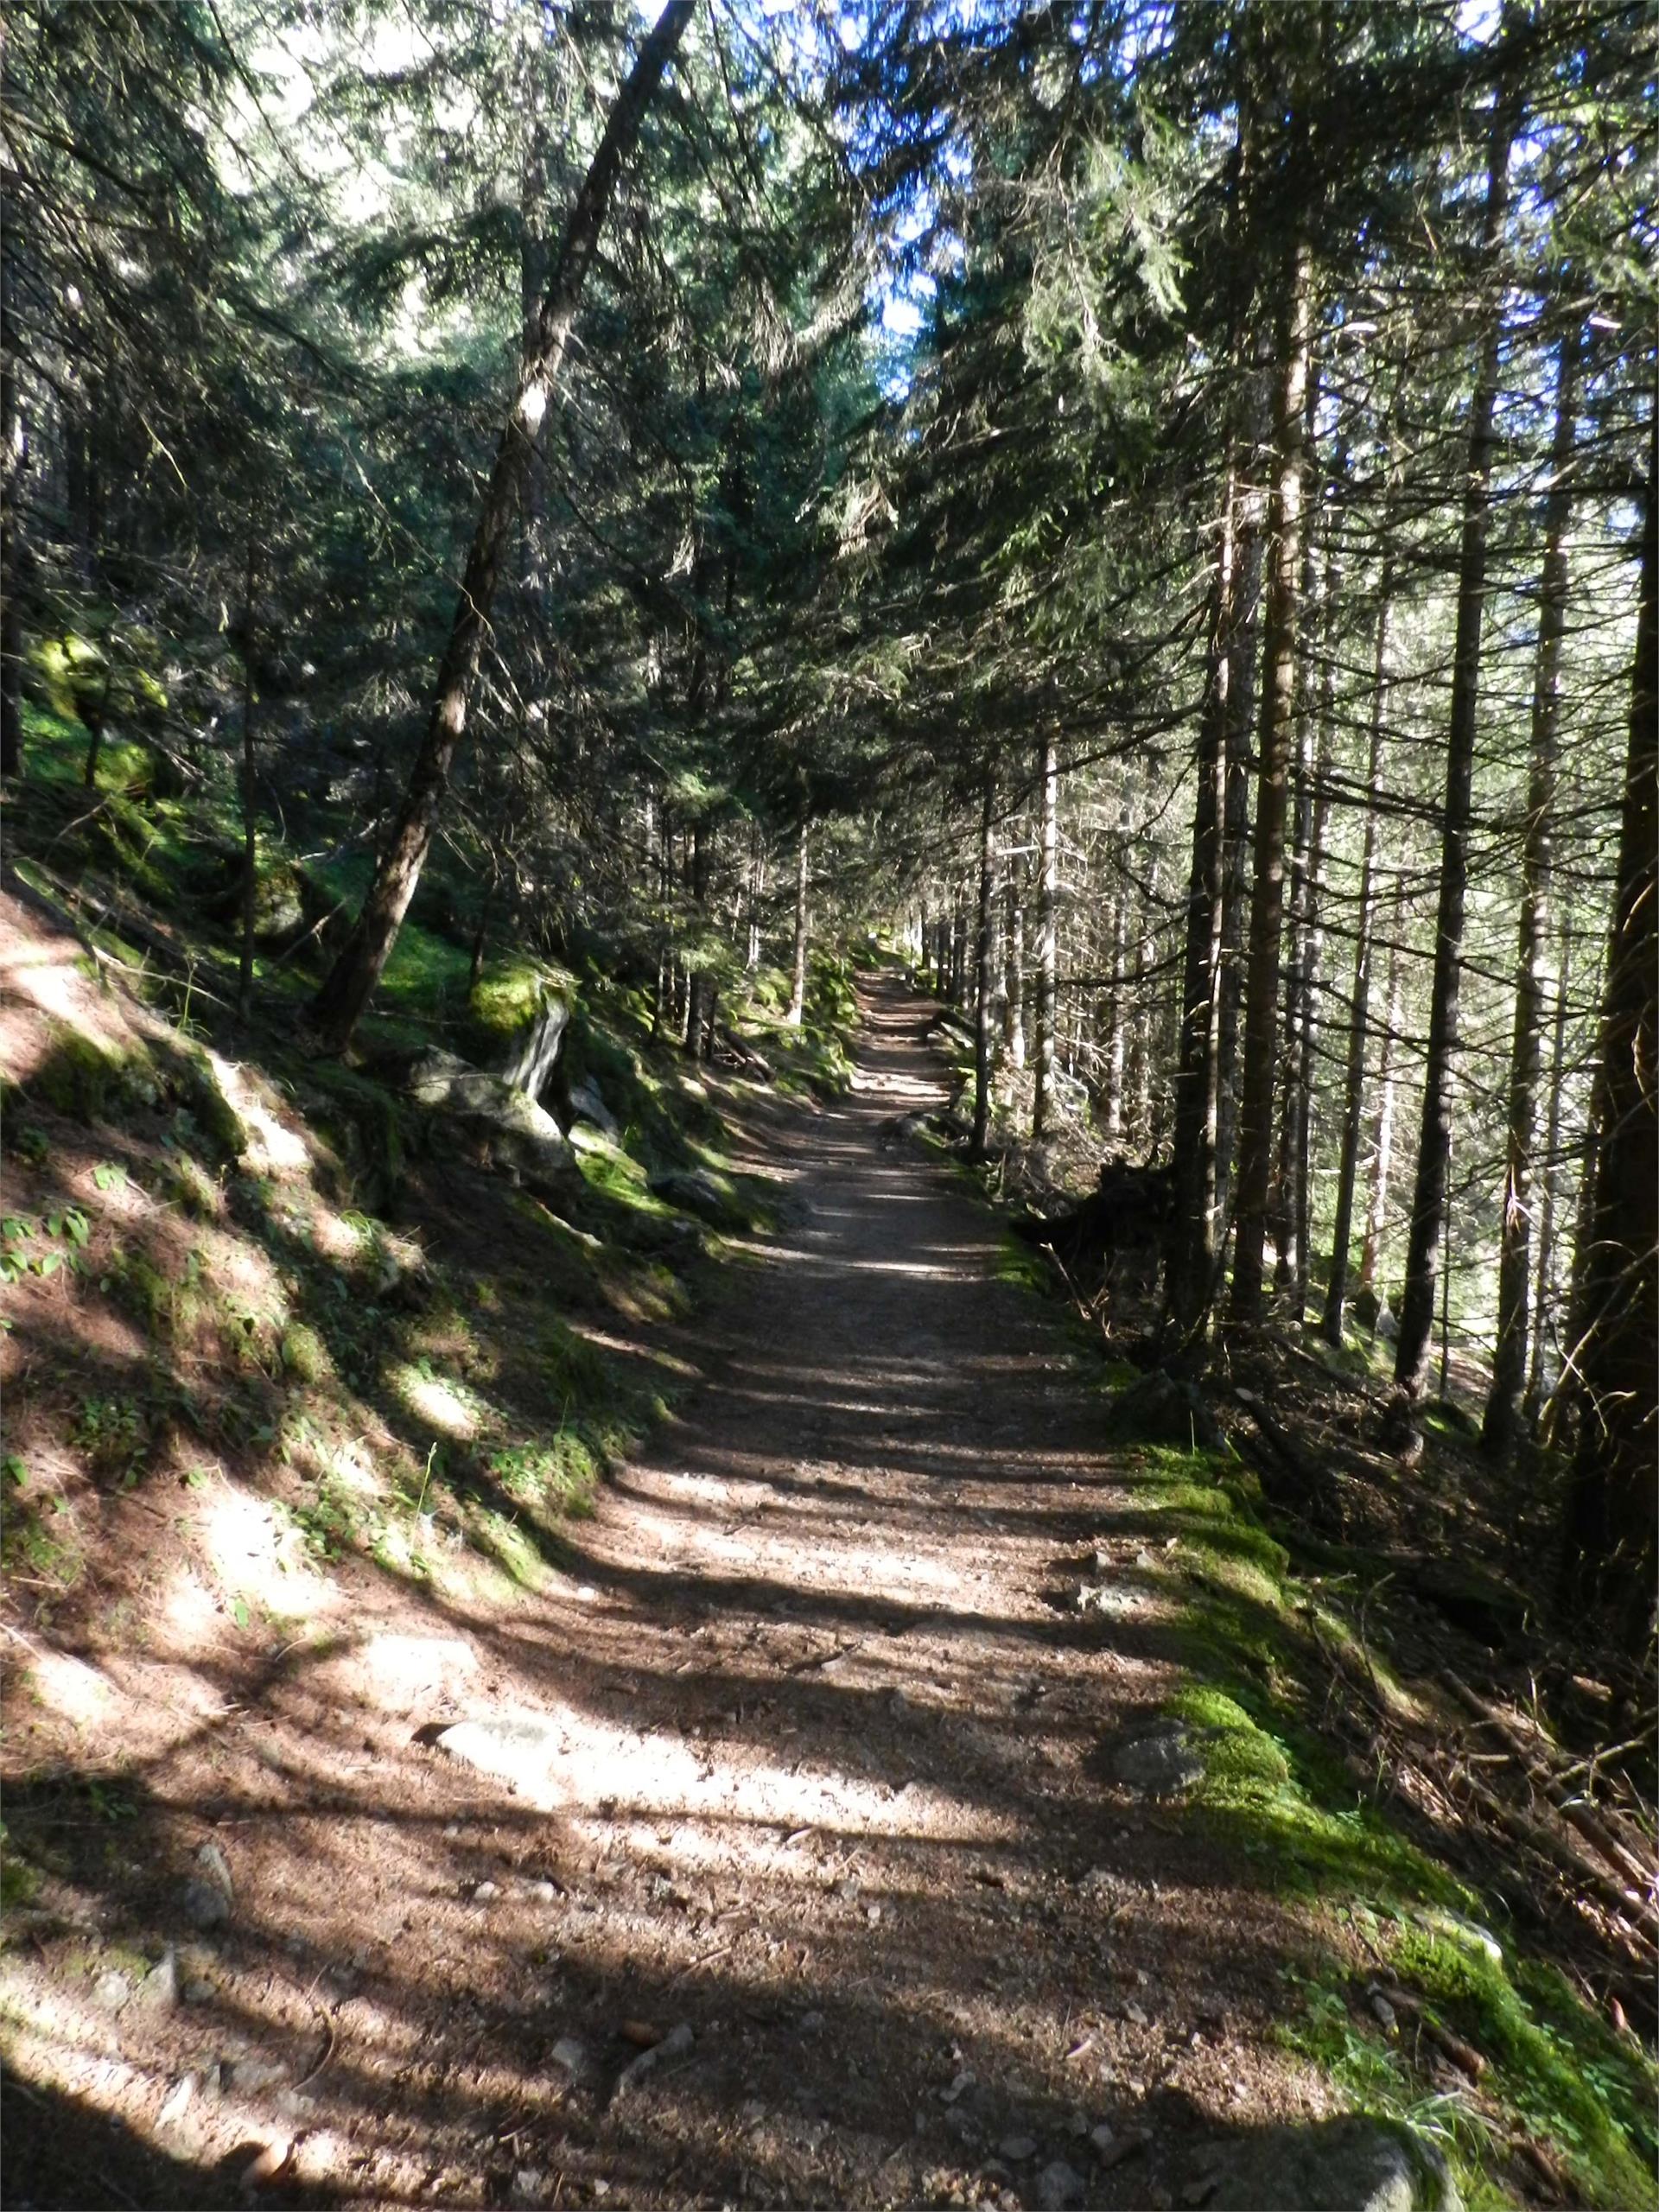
(675, 2045)
(1159, 1763)
(178, 2102)
(959, 2083)
(1102, 2136)
(293, 2104)
(1382, 2009)
(1060, 2186)
(217, 1867)
(529, 2185)
(811, 2023)
(249, 2075)
(451, 1831)
(485, 1893)
(205, 1904)
(198, 1992)
(1136, 2012)
(571, 2056)
(543, 1892)
(873, 1914)
(160, 1988)
(1016, 2149)
(112, 1991)
(269, 2162)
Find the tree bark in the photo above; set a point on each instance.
(1336, 1296)
(797, 1008)
(1015, 938)
(1435, 1140)
(1544, 1280)
(249, 794)
(1388, 1083)
(700, 984)
(983, 999)
(1047, 937)
(13, 459)
(1501, 1423)
(1612, 1548)
(350, 983)
(1278, 709)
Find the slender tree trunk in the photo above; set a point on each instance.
(1191, 1274)
(13, 461)
(1015, 938)
(797, 1009)
(1336, 1295)
(1112, 1087)
(1313, 951)
(1612, 1550)
(249, 801)
(1284, 1205)
(756, 894)
(1278, 711)
(700, 981)
(350, 983)
(1047, 937)
(1388, 1080)
(983, 1001)
(1239, 712)
(1434, 1140)
(1502, 1419)
(1544, 1292)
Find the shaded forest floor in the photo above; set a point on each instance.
(796, 1829)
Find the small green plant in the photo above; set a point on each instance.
(111, 1433)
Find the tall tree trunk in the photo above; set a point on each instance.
(249, 800)
(1435, 1140)
(1048, 899)
(1278, 711)
(1542, 1296)
(13, 459)
(1014, 939)
(1612, 1549)
(1190, 1281)
(982, 996)
(350, 983)
(797, 1008)
(1353, 1108)
(700, 983)
(1388, 1086)
(1238, 714)
(1314, 947)
(1503, 1419)
(1112, 1083)
(757, 892)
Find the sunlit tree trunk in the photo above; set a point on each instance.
(1387, 1084)
(1013, 937)
(351, 981)
(1503, 1418)
(797, 1008)
(1544, 1280)
(13, 455)
(1353, 1108)
(1278, 709)
(984, 1006)
(1048, 894)
(1434, 1138)
(249, 790)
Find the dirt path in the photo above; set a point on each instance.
(806, 1769)
(834, 1750)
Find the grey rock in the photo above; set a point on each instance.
(247, 2076)
(571, 2055)
(588, 1104)
(205, 1904)
(542, 1892)
(513, 1132)
(216, 1866)
(1016, 2149)
(1102, 2136)
(486, 1892)
(695, 1191)
(179, 2100)
(112, 1991)
(811, 2023)
(197, 1991)
(675, 2045)
(1159, 1762)
(1060, 2186)
(1350, 2164)
(160, 1987)
(534, 1053)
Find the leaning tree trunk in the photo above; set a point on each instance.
(1353, 1108)
(1612, 1548)
(797, 1008)
(1502, 1419)
(1435, 1140)
(1048, 938)
(983, 1008)
(1278, 711)
(350, 983)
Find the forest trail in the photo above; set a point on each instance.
(769, 1848)
(829, 1760)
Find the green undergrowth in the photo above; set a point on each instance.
(1278, 1794)
(813, 1058)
